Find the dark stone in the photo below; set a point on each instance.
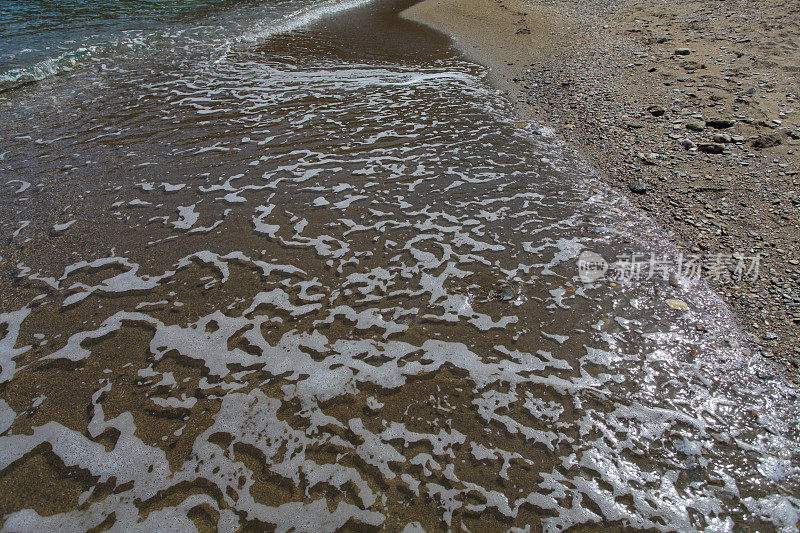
(719, 123)
(656, 110)
(638, 187)
(711, 148)
(767, 140)
(682, 52)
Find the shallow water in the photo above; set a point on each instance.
(275, 269)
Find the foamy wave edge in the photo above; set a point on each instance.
(66, 62)
(298, 19)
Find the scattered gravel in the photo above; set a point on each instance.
(711, 89)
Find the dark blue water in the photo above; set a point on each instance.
(44, 38)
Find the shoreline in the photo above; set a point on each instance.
(326, 280)
(679, 107)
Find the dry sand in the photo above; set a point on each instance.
(690, 106)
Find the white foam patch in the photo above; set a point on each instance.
(23, 185)
(7, 416)
(8, 344)
(187, 217)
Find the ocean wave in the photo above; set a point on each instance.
(298, 19)
(47, 68)
(64, 63)
(71, 59)
(437, 77)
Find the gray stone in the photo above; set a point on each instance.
(507, 294)
(695, 125)
(632, 124)
(647, 159)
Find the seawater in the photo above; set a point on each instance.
(297, 266)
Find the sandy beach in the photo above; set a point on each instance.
(689, 107)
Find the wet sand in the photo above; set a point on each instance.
(689, 108)
(328, 280)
